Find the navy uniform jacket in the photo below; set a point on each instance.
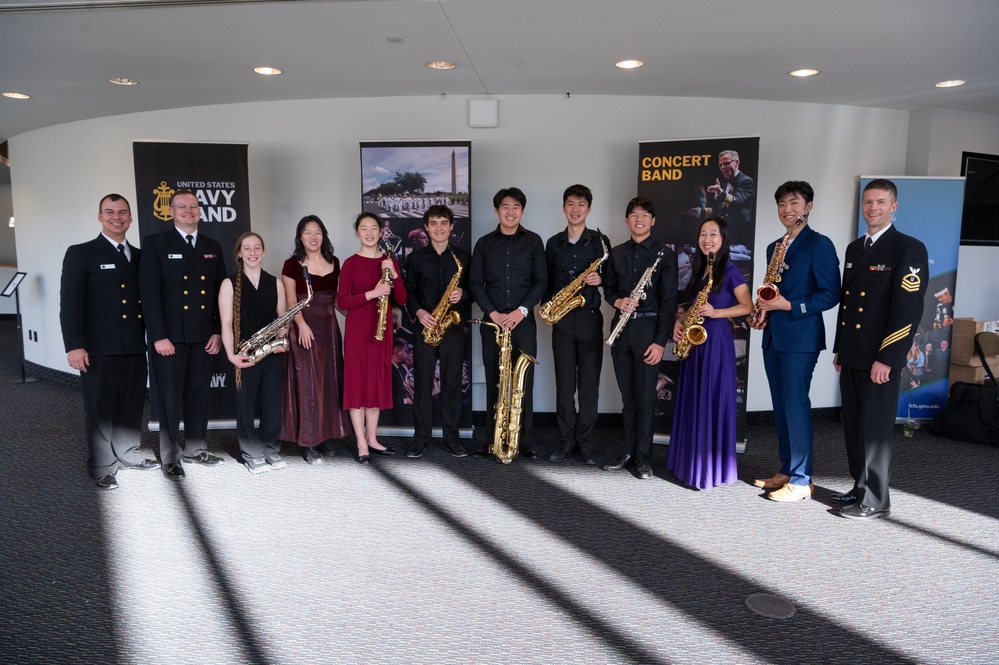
(99, 303)
(811, 284)
(180, 295)
(882, 300)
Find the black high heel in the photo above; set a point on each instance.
(363, 459)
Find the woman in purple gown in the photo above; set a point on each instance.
(702, 443)
(313, 410)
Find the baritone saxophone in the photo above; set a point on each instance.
(444, 316)
(510, 400)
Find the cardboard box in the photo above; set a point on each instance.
(970, 374)
(962, 342)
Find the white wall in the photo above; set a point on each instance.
(304, 159)
(941, 135)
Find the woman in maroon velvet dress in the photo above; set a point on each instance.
(313, 412)
(368, 369)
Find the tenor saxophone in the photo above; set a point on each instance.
(768, 290)
(443, 314)
(265, 341)
(383, 304)
(638, 293)
(692, 333)
(510, 400)
(569, 298)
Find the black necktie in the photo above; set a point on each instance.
(190, 245)
(868, 243)
(121, 250)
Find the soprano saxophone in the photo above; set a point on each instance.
(443, 314)
(768, 291)
(509, 403)
(638, 293)
(266, 341)
(383, 304)
(569, 298)
(692, 333)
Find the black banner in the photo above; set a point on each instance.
(687, 185)
(217, 174)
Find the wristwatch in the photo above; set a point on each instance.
(523, 310)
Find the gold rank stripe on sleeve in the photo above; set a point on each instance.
(896, 336)
(910, 282)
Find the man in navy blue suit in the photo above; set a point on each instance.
(793, 336)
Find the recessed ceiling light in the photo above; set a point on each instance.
(267, 71)
(121, 80)
(950, 84)
(629, 64)
(804, 73)
(16, 95)
(440, 64)
(394, 40)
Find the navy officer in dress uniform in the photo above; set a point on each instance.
(101, 320)
(884, 281)
(179, 280)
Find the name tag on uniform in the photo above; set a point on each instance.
(108, 266)
(849, 265)
(175, 256)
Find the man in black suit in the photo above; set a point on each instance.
(179, 280)
(105, 340)
(732, 197)
(884, 281)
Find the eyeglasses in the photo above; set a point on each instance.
(193, 206)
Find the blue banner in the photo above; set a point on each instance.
(929, 209)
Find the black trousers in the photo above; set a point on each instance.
(262, 386)
(114, 390)
(182, 390)
(578, 350)
(868, 421)
(450, 353)
(524, 339)
(637, 383)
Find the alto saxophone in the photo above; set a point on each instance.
(383, 304)
(768, 291)
(692, 333)
(638, 293)
(265, 341)
(509, 403)
(569, 298)
(443, 314)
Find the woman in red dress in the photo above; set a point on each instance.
(313, 412)
(368, 366)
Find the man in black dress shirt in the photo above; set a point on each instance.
(179, 279)
(577, 339)
(884, 281)
(507, 279)
(430, 271)
(639, 348)
(106, 341)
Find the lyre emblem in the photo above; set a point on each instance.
(161, 204)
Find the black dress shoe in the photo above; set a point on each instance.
(482, 453)
(528, 453)
(417, 450)
(205, 458)
(644, 470)
(388, 451)
(559, 455)
(364, 459)
(619, 464)
(845, 497)
(173, 470)
(859, 511)
(586, 458)
(456, 449)
(107, 483)
(311, 455)
(145, 465)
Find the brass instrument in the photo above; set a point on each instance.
(509, 402)
(265, 341)
(692, 333)
(569, 298)
(383, 303)
(638, 293)
(443, 314)
(768, 291)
